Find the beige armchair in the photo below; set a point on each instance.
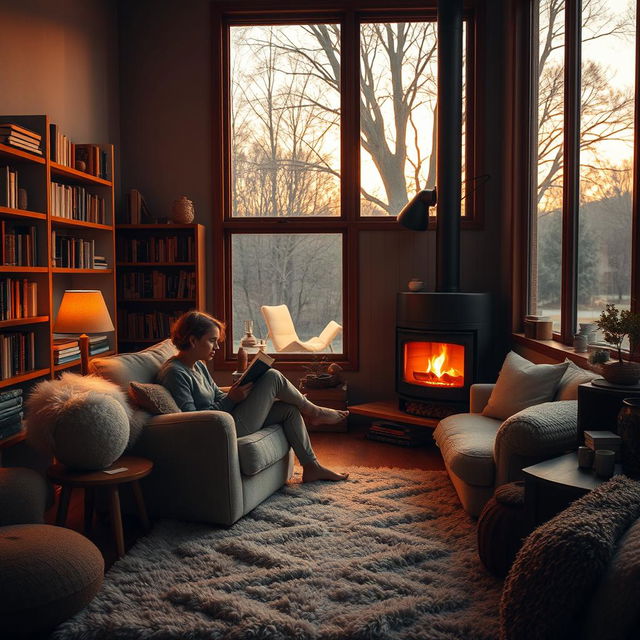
(202, 470)
(283, 333)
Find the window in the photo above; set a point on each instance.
(583, 72)
(307, 162)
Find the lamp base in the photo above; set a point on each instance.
(84, 354)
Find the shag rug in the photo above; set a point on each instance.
(389, 554)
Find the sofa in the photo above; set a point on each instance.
(202, 471)
(481, 453)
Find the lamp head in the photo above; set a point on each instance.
(83, 311)
(415, 214)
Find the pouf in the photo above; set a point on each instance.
(91, 432)
(48, 574)
(23, 496)
(501, 528)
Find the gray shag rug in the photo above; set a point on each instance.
(389, 554)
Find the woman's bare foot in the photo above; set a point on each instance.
(315, 471)
(323, 415)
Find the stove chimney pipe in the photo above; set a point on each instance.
(449, 145)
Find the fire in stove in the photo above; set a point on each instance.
(434, 364)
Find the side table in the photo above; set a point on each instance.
(133, 470)
(552, 485)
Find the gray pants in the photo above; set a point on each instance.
(261, 409)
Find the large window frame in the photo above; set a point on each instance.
(524, 75)
(349, 224)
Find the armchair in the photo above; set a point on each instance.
(283, 333)
(202, 471)
(482, 453)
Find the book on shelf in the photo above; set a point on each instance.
(137, 211)
(18, 298)
(94, 158)
(18, 245)
(261, 363)
(8, 187)
(68, 358)
(10, 402)
(17, 353)
(10, 394)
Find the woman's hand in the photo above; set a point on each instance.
(239, 393)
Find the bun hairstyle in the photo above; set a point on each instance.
(196, 324)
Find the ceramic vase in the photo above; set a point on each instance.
(182, 211)
(629, 431)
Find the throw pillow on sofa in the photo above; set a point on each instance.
(573, 377)
(153, 398)
(522, 384)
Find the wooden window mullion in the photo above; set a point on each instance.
(571, 182)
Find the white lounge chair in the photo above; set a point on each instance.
(283, 334)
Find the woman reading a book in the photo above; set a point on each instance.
(271, 399)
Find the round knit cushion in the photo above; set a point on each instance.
(91, 432)
(48, 574)
(501, 528)
(23, 496)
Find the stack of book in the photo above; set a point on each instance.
(17, 136)
(100, 262)
(98, 344)
(10, 412)
(603, 440)
(404, 435)
(65, 350)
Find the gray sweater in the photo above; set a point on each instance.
(193, 389)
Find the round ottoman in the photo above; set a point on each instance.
(23, 496)
(48, 574)
(501, 528)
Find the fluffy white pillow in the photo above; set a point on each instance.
(572, 378)
(522, 384)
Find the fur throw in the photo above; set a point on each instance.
(561, 563)
(46, 401)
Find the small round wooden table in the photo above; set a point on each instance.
(132, 470)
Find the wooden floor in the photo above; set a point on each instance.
(340, 451)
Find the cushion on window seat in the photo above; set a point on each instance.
(260, 450)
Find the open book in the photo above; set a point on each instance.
(260, 363)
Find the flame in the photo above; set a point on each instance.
(438, 370)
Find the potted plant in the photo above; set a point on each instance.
(616, 325)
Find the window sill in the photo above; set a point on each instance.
(552, 349)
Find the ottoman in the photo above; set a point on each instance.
(501, 528)
(48, 574)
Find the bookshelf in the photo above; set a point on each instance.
(161, 275)
(61, 202)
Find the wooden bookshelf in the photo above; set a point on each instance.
(37, 174)
(187, 263)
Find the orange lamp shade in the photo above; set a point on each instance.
(83, 311)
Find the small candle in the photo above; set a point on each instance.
(585, 457)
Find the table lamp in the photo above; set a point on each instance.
(83, 311)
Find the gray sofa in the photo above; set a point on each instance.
(481, 453)
(202, 471)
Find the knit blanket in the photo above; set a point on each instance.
(561, 563)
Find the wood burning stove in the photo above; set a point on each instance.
(442, 341)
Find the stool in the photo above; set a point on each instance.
(502, 525)
(132, 470)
